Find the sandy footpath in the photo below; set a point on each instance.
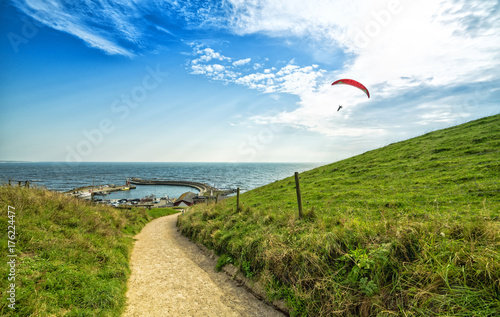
(171, 277)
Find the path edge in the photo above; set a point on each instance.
(255, 288)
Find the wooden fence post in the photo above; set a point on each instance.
(27, 184)
(299, 198)
(238, 199)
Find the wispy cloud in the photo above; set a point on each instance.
(110, 27)
(396, 46)
(390, 54)
(392, 46)
(241, 62)
(116, 27)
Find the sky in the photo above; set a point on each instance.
(239, 80)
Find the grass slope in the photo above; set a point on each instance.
(411, 229)
(72, 256)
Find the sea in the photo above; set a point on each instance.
(67, 176)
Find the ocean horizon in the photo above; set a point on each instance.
(64, 176)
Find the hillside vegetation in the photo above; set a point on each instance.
(71, 256)
(411, 229)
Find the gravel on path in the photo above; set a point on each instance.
(172, 277)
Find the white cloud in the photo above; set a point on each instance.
(257, 66)
(394, 47)
(218, 68)
(397, 47)
(390, 38)
(207, 54)
(316, 19)
(241, 62)
(290, 78)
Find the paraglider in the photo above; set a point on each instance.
(353, 83)
(340, 107)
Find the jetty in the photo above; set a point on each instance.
(201, 187)
(87, 192)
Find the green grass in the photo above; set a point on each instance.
(72, 256)
(411, 229)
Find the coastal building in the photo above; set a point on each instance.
(185, 200)
(199, 199)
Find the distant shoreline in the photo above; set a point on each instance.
(187, 162)
(15, 162)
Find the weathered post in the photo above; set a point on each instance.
(19, 183)
(27, 184)
(9, 183)
(299, 198)
(238, 199)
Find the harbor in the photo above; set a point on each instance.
(201, 187)
(126, 184)
(106, 194)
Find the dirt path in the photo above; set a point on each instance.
(171, 277)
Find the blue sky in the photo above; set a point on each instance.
(236, 80)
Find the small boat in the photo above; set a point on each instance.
(125, 188)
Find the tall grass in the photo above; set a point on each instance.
(72, 256)
(411, 229)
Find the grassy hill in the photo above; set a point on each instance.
(71, 256)
(411, 229)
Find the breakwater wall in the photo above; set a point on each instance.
(202, 187)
